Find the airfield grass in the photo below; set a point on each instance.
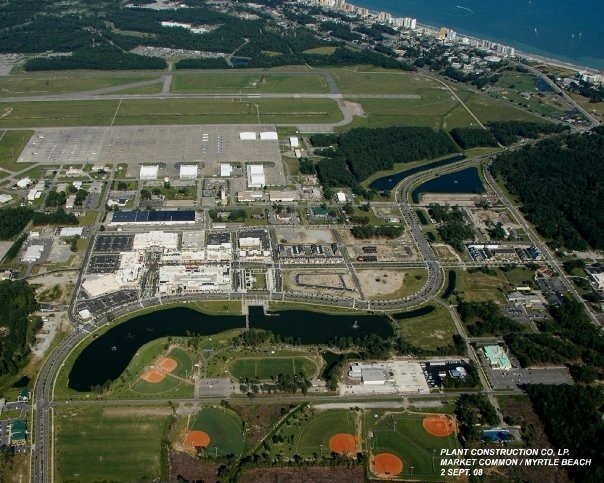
(488, 109)
(265, 367)
(108, 444)
(248, 83)
(381, 81)
(154, 88)
(429, 331)
(12, 144)
(321, 51)
(410, 442)
(481, 287)
(63, 83)
(308, 431)
(225, 429)
(168, 111)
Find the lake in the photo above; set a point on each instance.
(464, 181)
(389, 182)
(107, 356)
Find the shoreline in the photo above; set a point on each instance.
(518, 53)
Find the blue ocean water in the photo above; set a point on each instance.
(566, 30)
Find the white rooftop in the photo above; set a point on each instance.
(247, 136)
(188, 171)
(149, 172)
(268, 136)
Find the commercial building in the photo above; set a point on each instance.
(368, 374)
(33, 253)
(24, 182)
(188, 171)
(149, 172)
(249, 196)
(70, 231)
(255, 176)
(283, 196)
(166, 217)
(497, 357)
(179, 279)
(340, 197)
(161, 239)
(5, 198)
(294, 142)
(225, 170)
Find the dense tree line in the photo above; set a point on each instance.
(323, 140)
(99, 58)
(485, 318)
(13, 220)
(480, 80)
(594, 93)
(474, 411)
(59, 217)
(17, 302)
(13, 251)
(470, 137)
(509, 132)
(559, 184)
(55, 198)
(364, 232)
(572, 417)
(281, 383)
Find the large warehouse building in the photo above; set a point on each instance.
(166, 217)
(255, 176)
(149, 172)
(188, 171)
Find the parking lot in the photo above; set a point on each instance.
(107, 302)
(108, 263)
(220, 387)
(113, 243)
(514, 378)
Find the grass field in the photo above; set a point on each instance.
(224, 428)
(381, 81)
(480, 287)
(429, 331)
(264, 368)
(402, 434)
(168, 111)
(109, 444)
(11, 145)
(488, 109)
(321, 51)
(184, 361)
(48, 84)
(247, 83)
(520, 276)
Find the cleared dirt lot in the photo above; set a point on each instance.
(380, 282)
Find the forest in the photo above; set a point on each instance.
(570, 338)
(473, 411)
(13, 220)
(509, 132)
(485, 319)
(470, 137)
(362, 151)
(59, 217)
(559, 183)
(572, 417)
(17, 301)
(453, 228)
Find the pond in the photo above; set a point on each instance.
(389, 182)
(465, 181)
(106, 357)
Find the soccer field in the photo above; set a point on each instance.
(266, 367)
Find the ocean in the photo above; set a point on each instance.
(566, 30)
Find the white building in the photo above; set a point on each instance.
(5, 198)
(294, 142)
(177, 279)
(255, 176)
(247, 136)
(368, 374)
(225, 170)
(70, 231)
(149, 172)
(70, 203)
(188, 171)
(143, 241)
(33, 194)
(250, 243)
(24, 182)
(33, 253)
(283, 196)
(269, 136)
(340, 197)
(249, 196)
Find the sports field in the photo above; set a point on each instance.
(167, 111)
(264, 368)
(314, 431)
(411, 440)
(234, 82)
(224, 433)
(109, 444)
